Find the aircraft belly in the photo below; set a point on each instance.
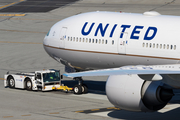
(95, 60)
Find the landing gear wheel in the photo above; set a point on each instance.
(11, 82)
(29, 85)
(77, 89)
(85, 89)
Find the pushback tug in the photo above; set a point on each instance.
(44, 80)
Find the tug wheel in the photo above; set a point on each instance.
(11, 82)
(29, 85)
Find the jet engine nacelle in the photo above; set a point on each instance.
(132, 93)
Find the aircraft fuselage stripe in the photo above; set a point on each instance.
(113, 53)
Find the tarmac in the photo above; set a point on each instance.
(23, 26)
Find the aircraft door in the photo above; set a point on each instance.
(122, 43)
(62, 37)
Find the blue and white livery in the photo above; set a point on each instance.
(139, 52)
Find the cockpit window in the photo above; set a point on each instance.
(48, 33)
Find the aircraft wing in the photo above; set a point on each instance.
(140, 70)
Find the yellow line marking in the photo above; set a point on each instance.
(79, 111)
(26, 115)
(117, 108)
(95, 109)
(11, 4)
(98, 110)
(7, 116)
(22, 31)
(33, 19)
(111, 108)
(12, 14)
(1, 78)
(54, 113)
(114, 108)
(19, 42)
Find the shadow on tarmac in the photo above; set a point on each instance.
(127, 115)
(96, 87)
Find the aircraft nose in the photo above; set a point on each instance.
(45, 41)
(46, 45)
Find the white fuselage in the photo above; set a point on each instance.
(110, 39)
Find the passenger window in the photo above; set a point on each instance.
(153, 45)
(106, 41)
(77, 39)
(86, 39)
(150, 45)
(99, 41)
(83, 39)
(68, 38)
(92, 40)
(113, 42)
(174, 47)
(167, 46)
(160, 46)
(102, 41)
(171, 47)
(157, 45)
(71, 38)
(146, 44)
(89, 40)
(143, 44)
(164, 46)
(96, 40)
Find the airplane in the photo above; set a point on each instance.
(139, 52)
